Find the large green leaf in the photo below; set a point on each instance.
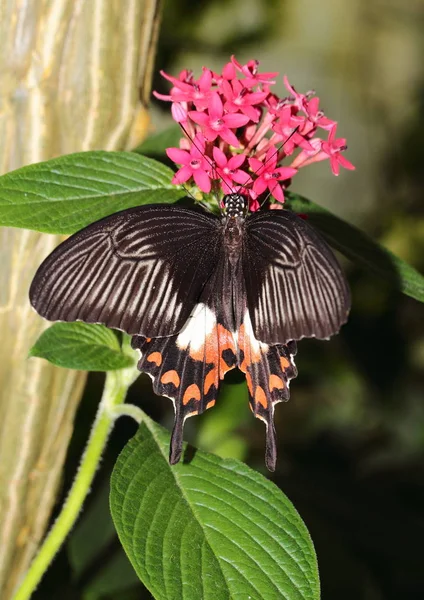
(81, 346)
(208, 527)
(64, 194)
(359, 247)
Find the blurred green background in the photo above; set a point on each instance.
(351, 439)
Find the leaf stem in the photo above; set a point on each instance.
(128, 410)
(115, 390)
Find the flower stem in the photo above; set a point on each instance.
(115, 390)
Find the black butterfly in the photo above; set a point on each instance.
(200, 295)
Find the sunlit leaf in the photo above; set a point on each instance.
(208, 527)
(81, 346)
(64, 194)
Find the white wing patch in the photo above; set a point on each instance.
(256, 346)
(198, 326)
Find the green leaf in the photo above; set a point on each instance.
(65, 194)
(156, 144)
(208, 527)
(81, 346)
(359, 247)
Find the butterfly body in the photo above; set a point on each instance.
(201, 295)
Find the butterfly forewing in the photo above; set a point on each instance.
(295, 287)
(141, 270)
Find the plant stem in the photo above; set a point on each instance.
(128, 410)
(115, 390)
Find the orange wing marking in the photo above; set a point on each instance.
(284, 363)
(155, 357)
(191, 393)
(275, 382)
(210, 380)
(260, 397)
(171, 377)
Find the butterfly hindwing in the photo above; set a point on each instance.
(295, 287)
(269, 369)
(189, 367)
(140, 270)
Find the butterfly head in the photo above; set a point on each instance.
(235, 205)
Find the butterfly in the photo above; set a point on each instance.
(201, 294)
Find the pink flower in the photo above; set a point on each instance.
(215, 123)
(286, 128)
(240, 99)
(316, 117)
(250, 71)
(299, 100)
(332, 148)
(194, 164)
(254, 204)
(235, 109)
(307, 157)
(197, 92)
(268, 174)
(179, 112)
(228, 170)
(228, 73)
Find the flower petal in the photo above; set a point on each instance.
(276, 190)
(236, 161)
(253, 113)
(346, 163)
(161, 96)
(334, 165)
(259, 185)
(181, 157)
(228, 136)
(205, 80)
(235, 120)
(215, 107)
(202, 181)
(182, 175)
(229, 72)
(200, 118)
(210, 134)
(255, 164)
(285, 172)
(179, 113)
(241, 177)
(219, 157)
(186, 87)
(271, 158)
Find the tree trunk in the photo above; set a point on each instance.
(75, 76)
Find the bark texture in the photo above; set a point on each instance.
(75, 76)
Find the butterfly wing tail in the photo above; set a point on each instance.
(268, 369)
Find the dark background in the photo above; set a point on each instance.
(351, 439)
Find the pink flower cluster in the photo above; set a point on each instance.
(237, 132)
